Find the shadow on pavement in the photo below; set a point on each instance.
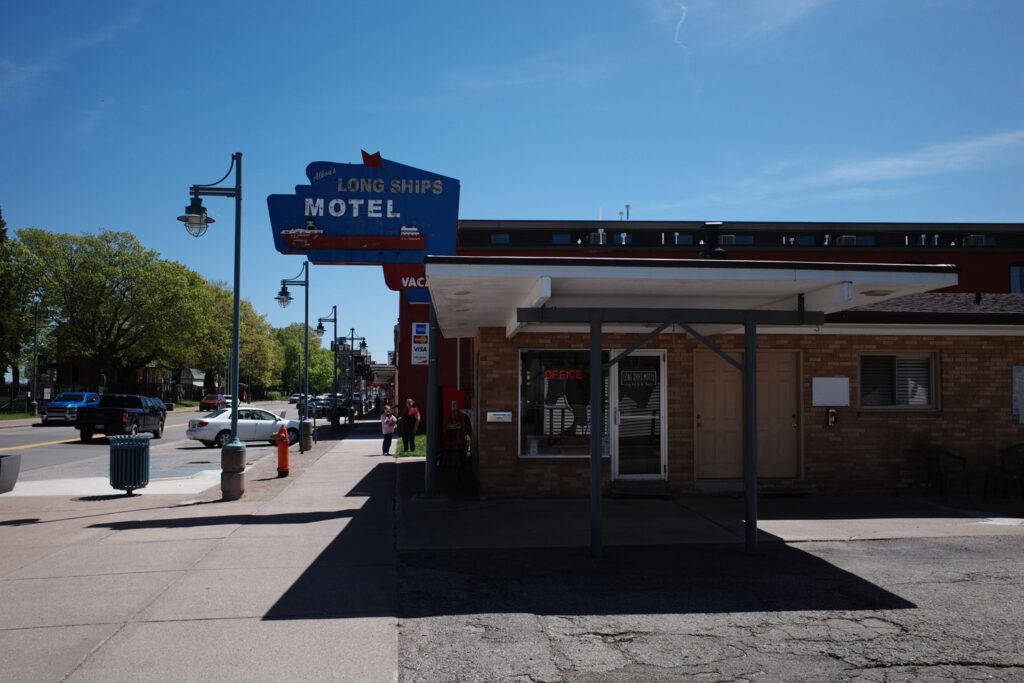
(690, 579)
(552, 581)
(216, 520)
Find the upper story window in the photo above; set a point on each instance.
(897, 381)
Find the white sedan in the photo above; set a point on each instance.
(254, 424)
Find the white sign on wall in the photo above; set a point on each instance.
(830, 391)
(420, 344)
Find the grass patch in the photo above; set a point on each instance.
(187, 404)
(421, 446)
(14, 416)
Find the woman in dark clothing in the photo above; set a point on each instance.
(408, 423)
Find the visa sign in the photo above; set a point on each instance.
(419, 353)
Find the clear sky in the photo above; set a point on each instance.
(834, 110)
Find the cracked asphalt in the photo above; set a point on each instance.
(932, 609)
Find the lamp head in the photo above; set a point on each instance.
(284, 297)
(195, 218)
(320, 329)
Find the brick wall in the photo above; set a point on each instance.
(866, 450)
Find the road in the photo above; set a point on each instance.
(55, 452)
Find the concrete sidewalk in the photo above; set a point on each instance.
(296, 581)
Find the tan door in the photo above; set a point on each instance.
(778, 427)
(718, 397)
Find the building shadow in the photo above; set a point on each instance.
(664, 579)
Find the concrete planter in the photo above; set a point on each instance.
(10, 465)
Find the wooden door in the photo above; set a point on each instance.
(718, 434)
(718, 398)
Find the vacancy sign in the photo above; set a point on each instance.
(420, 343)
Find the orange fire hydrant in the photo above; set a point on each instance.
(282, 451)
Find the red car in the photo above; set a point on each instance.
(213, 402)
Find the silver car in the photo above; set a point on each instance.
(254, 424)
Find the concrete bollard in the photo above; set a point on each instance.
(307, 435)
(232, 485)
(232, 476)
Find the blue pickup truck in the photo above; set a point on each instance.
(64, 406)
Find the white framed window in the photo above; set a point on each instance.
(903, 380)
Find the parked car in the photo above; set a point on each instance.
(213, 402)
(64, 406)
(294, 398)
(254, 424)
(121, 414)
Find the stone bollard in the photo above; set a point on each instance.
(307, 435)
(232, 476)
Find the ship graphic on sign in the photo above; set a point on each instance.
(301, 237)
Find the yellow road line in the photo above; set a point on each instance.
(36, 445)
(53, 443)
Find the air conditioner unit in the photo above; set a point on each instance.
(726, 240)
(974, 241)
(846, 241)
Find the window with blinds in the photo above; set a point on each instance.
(897, 381)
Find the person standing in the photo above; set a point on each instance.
(387, 427)
(408, 424)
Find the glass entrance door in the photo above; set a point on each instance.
(639, 416)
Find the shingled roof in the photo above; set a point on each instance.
(953, 308)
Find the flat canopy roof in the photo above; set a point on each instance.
(470, 292)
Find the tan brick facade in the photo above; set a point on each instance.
(866, 450)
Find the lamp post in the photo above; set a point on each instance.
(232, 455)
(332, 318)
(34, 408)
(352, 370)
(284, 298)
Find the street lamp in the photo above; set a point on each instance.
(232, 455)
(34, 408)
(284, 298)
(332, 318)
(352, 370)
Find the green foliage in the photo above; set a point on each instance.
(115, 300)
(20, 272)
(105, 296)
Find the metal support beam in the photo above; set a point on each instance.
(430, 476)
(634, 347)
(596, 431)
(707, 342)
(750, 435)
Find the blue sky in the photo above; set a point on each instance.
(833, 110)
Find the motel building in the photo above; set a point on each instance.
(589, 358)
(869, 342)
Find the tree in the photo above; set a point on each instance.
(291, 341)
(19, 279)
(115, 301)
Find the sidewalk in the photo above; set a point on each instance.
(296, 581)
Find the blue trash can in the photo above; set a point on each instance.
(129, 462)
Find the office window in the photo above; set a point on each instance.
(554, 403)
(897, 381)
